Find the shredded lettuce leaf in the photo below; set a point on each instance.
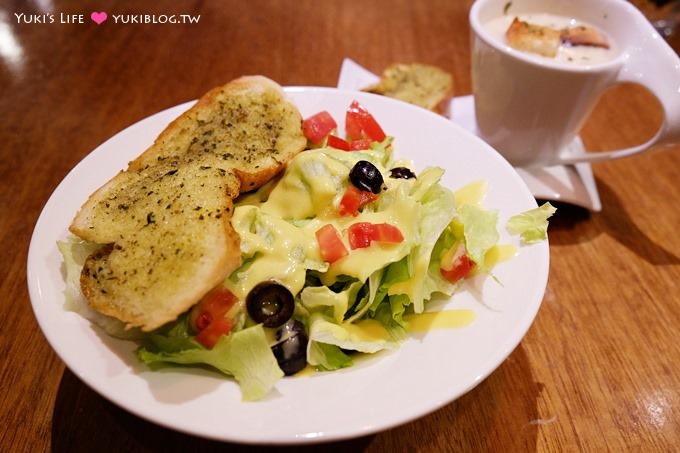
(245, 354)
(75, 251)
(479, 228)
(367, 335)
(532, 225)
(327, 357)
(337, 303)
(437, 211)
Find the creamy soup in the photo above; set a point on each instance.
(571, 54)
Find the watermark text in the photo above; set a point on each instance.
(100, 17)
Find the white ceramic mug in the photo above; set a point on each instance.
(531, 109)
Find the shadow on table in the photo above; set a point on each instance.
(573, 224)
(83, 421)
(503, 408)
(501, 412)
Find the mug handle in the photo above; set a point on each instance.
(654, 65)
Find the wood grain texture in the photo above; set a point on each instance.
(597, 371)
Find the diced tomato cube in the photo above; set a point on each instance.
(318, 126)
(384, 232)
(371, 128)
(352, 122)
(207, 318)
(359, 235)
(456, 264)
(359, 123)
(338, 143)
(210, 335)
(354, 199)
(331, 246)
(362, 234)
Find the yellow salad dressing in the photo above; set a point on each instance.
(445, 319)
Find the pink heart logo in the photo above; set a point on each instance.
(99, 17)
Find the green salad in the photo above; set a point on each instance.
(337, 252)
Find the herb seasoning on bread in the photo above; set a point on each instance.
(424, 85)
(164, 223)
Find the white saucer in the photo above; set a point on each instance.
(573, 184)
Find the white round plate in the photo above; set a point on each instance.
(427, 372)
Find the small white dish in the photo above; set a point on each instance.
(573, 184)
(427, 372)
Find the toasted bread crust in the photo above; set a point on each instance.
(582, 35)
(420, 84)
(533, 38)
(164, 222)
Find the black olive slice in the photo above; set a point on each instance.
(366, 176)
(402, 172)
(291, 349)
(270, 303)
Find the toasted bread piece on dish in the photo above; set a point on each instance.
(533, 38)
(420, 84)
(582, 35)
(164, 222)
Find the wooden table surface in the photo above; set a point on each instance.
(599, 368)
